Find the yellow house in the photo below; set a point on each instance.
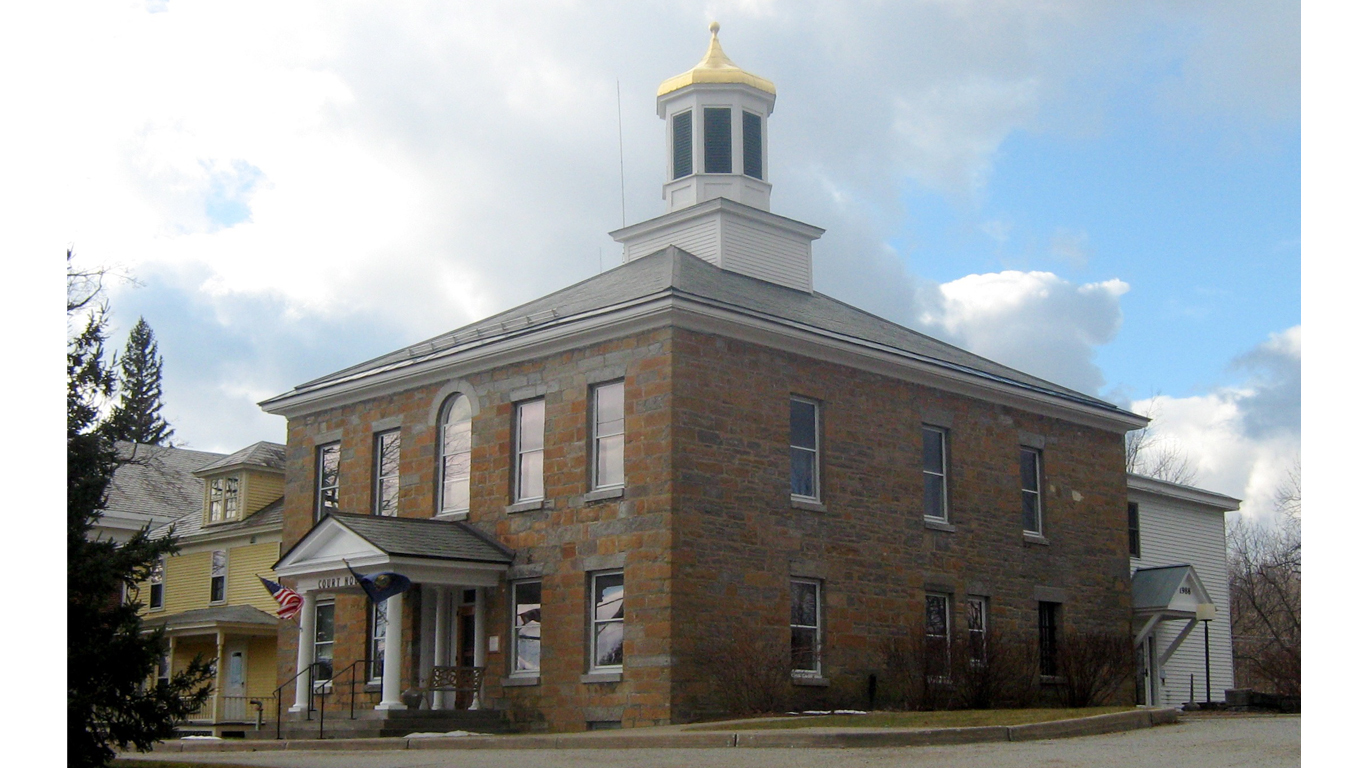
(209, 599)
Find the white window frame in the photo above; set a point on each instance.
(330, 643)
(522, 453)
(320, 505)
(794, 627)
(594, 621)
(947, 636)
(156, 586)
(1036, 492)
(519, 630)
(814, 450)
(603, 432)
(218, 575)
(978, 605)
(377, 647)
(380, 439)
(445, 506)
(939, 475)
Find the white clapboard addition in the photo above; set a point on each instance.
(1181, 525)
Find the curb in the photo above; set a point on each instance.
(777, 739)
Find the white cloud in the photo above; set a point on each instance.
(1242, 439)
(1036, 322)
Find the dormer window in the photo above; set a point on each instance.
(224, 500)
(716, 139)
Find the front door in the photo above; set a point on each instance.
(465, 648)
(235, 684)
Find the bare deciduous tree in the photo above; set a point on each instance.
(1147, 453)
(1264, 594)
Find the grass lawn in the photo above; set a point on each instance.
(136, 763)
(950, 719)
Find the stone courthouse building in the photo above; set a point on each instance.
(588, 490)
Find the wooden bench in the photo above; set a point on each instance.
(465, 682)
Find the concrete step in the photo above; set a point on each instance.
(371, 723)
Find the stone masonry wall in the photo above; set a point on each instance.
(740, 539)
(560, 543)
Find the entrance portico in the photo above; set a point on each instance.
(451, 566)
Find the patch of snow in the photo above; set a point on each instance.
(438, 735)
(200, 738)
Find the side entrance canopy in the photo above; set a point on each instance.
(1169, 593)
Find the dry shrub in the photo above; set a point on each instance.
(749, 668)
(1093, 667)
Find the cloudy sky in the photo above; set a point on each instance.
(1103, 194)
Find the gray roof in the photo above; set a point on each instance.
(220, 614)
(191, 523)
(157, 483)
(263, 455)
(418, 537)
(675, 272)
(1153, 588)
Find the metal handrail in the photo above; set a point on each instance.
(312, 691)
(352, 669)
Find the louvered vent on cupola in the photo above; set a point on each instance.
(716, 139)
(754, 145)
(682, 144)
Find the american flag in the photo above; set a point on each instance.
(290, 601)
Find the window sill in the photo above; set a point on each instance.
(815, 681)
(520, 682)
(937, 524)
(462, 515)
(1051, 679)
(525, 506)
(600, 677)
(1035, 538)
(604, 493)
(374, 687)
(810, 505)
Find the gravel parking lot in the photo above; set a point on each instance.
(1217, 742)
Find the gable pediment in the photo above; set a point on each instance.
(329, 547)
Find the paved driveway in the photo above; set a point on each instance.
(1229, 742)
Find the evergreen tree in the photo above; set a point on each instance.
(137, 415)
(109, 660)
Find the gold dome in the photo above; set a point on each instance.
(716, 67)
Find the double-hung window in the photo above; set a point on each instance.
(456, 423)
(937, 623)
(218, 576)
(804, 449)
(379, 630)
(935, 444)
(526, 628)
(157, 585)
(1031, 483)
(324, 632)
(223, 499)
(1134, 549)
(609, 435)
(386, 473)
(329, 479)
(977, 630)
(530, 451)
(608, 621)
(805, 623)
(1048, 638)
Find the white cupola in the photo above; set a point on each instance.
(716, 183)
(717, 118)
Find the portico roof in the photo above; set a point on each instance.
(1171, 590)
(237, 619)
(431, 551)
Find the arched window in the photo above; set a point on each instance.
(455, 456)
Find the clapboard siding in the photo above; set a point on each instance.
(702, 239)
(767, 254)
(186, 582)
(261, 489)
(244, 563)
(1174, 533)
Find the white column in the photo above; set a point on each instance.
(218, 676)
(441, 642)
(480, 640)
(307, 615)
(393, 657)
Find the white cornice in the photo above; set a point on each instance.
(1216, 502)
(708, 207)
(662, 309)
